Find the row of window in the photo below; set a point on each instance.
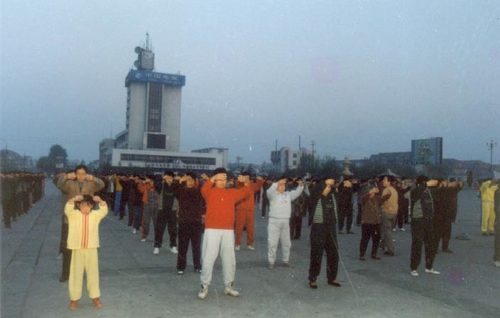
(167, 159)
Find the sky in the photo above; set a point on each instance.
(356, 77)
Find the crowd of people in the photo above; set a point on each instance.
(20, 190)
(211, 214)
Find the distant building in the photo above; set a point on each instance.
(151, 139)
(224, 152)
(286, 159)
(427, 151)
(388, 158)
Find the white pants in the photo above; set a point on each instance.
(217, 241)
(278, 230)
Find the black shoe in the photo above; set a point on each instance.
(387, 253)
(312, 284)
(375, 257)
(341, 231)
(334, 283)
(350, 232)
(362, 258)
(447, 250)
(63, 279)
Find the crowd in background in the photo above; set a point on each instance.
(19, 191)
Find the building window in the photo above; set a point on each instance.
(154, 107)
(156, 141)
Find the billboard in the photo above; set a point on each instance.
(427, 151)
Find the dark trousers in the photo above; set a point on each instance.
(189, 232)
(422, 234)
(442, 231)
(295, 226)
(345, 217)
(265, 206)
(166, 219)
(402, 215)
(66, 253)
(323, 238)
(369, 231)
(136, 210)
(8, 207)
(358, 217)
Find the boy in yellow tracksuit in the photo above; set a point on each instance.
(83, 241)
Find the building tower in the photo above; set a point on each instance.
(153, 106)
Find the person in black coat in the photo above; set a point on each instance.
(323, 221)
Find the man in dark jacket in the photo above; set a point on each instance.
(323, 220)
(190, 221)
(166, 214)
(422, 213)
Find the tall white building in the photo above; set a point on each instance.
(151, 139)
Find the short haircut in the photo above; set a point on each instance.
(220, 170)
(84, 167)
(169, 173)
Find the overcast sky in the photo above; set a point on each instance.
(357, 77)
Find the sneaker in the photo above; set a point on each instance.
(229, 290)
(203, 293)
(362, 258)
(394, 229)
(197, 270)
(432, 271)
(237, 248)
(173, 249)
(134, 231)
(414, 273)
(313, 284)
(156, 251)
(375, 257)
(143, 240)
(286, 264)
(250, 247)
(180, 272)
(271, 266)
(402, 229)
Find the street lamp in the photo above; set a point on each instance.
(491, 145)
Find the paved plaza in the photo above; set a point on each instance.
(136, 283)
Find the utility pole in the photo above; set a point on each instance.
(491, 145)
(312, 147)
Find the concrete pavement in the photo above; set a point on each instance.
(136, 283)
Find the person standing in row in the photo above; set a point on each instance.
(389, 213)
(422, 233)
(219, 229)
(278, 229)
(245, 211)
(323, 220)
(487, 190)
(83, 241)
(78, 182)
(189, 218)
(370, 220)
(167, 214)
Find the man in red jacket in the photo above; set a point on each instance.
(219, 229)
